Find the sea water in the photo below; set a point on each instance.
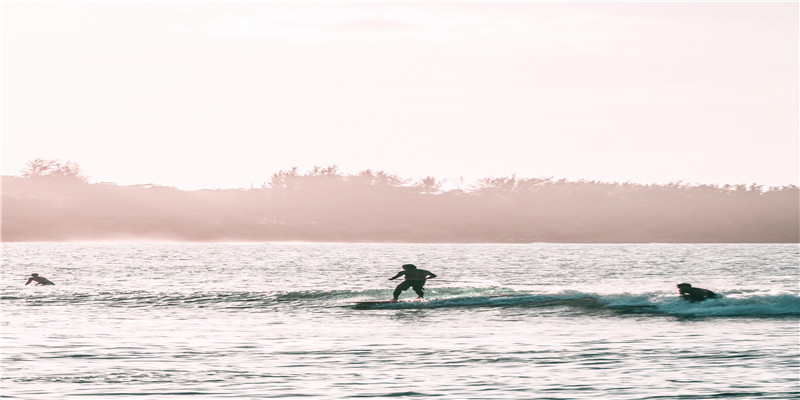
(538, 321)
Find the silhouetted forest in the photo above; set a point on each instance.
(326, 205)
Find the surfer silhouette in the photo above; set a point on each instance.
(40, 280)
(694, 294)
(414, 278)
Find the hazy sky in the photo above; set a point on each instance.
(218, 95)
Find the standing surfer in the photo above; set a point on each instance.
(414, 278)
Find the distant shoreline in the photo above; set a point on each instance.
(326, 207)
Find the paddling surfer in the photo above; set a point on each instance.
(40, 280)
(694, 294)
(414, 278)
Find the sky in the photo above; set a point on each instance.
(223, 95)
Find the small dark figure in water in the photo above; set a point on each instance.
(693, 294)
(40, 280)
(415, 279)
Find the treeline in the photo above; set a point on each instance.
(326, 205)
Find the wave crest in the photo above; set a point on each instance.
(740, 304)
(726, 306)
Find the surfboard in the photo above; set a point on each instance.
(368, 304)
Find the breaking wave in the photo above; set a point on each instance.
(726, 306)
(729, 305)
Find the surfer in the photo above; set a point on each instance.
(40, 280)
(694, 294)
(414, 278)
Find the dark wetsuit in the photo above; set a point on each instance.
(415, 279)
(415, 284)
(694, 294)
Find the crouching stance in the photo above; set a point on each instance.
(693, 294)
(414, 278)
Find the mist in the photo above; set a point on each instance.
(327, 206)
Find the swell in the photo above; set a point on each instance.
(784, 305)
(729, 305)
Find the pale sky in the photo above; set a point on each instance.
(218, 95)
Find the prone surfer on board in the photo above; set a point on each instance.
(40, 280)
(414, 278)
(694, 294)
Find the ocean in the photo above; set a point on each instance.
(278, 320)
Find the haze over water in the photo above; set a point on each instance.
(216, 321)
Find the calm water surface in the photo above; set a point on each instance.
(257, 321)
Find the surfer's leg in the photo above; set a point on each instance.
(400, 288)
(419, 289)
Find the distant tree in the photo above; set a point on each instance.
(503, 185)
(379, 178)
(332, 171)
(429, 185)
(53, 168)
(284, 179)
(293, 179)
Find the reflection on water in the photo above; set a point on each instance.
(410, 316)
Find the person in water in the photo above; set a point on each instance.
(40, 280)
(414, 278)
(693, 294)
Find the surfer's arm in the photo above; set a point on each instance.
(29, 281)
(399, 274)
(431, 275)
